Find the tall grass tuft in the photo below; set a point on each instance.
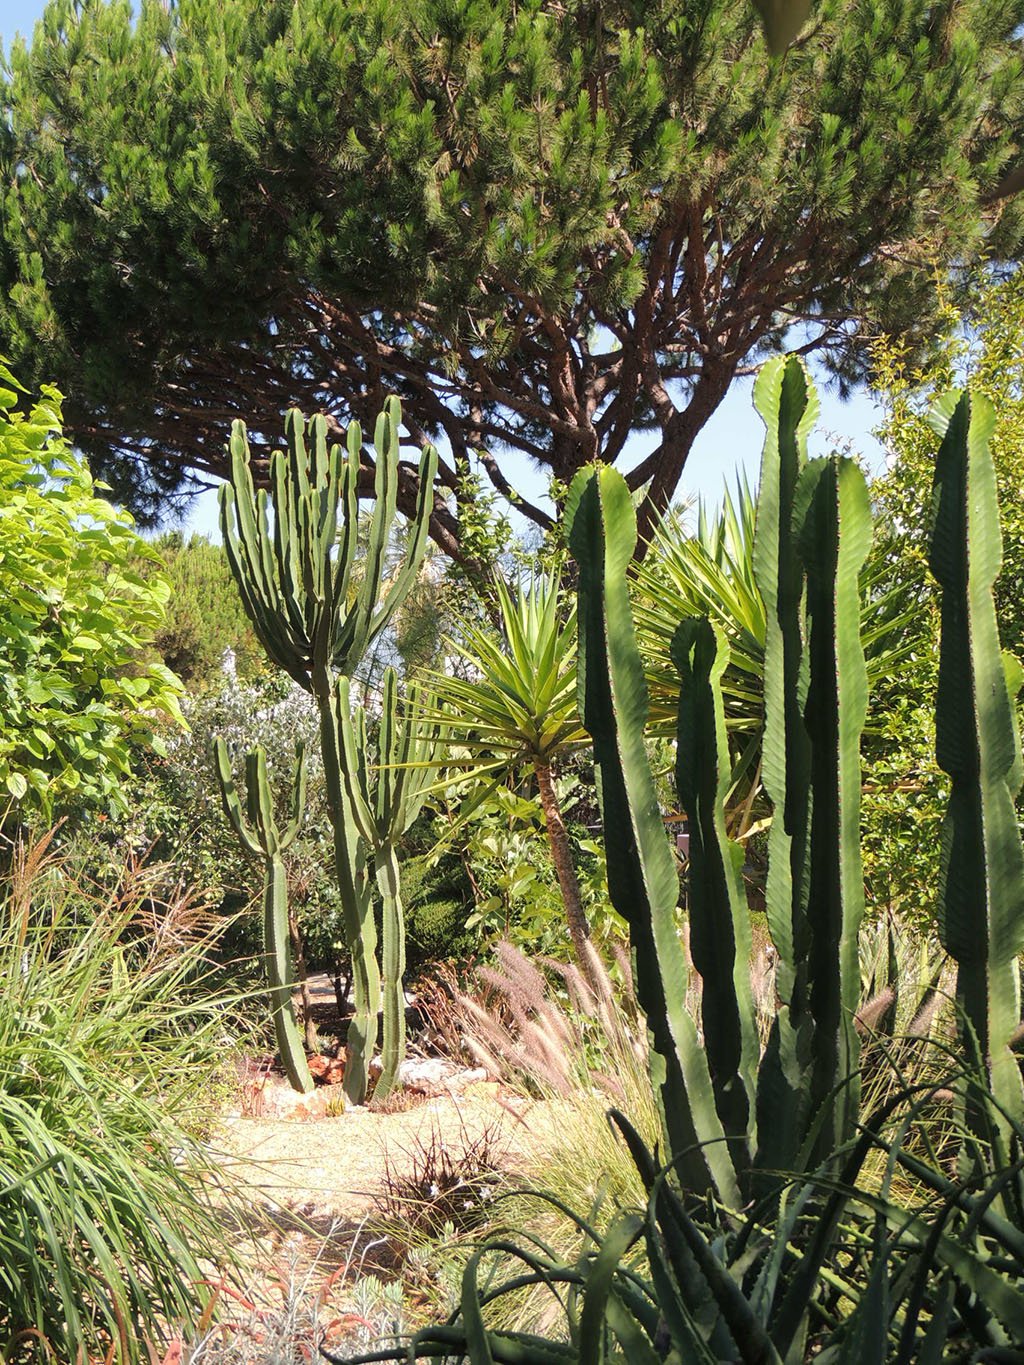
(109, 1045)
(580, 1044)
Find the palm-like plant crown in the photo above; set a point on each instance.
(519, 703)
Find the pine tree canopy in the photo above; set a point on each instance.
(546, 224)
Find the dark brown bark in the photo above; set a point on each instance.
(561, 856)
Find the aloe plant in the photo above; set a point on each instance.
(981, 902)
(261, 835)
(292, 550)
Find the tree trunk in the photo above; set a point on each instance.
(561, 856)
(299, 957)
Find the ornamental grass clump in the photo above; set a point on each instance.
(110, 1044)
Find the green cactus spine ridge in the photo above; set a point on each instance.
(832, 519)
(292, 548)
(385, 799)
(717, 907)
(981, 900)
(643, 882)
(346, 740)
(786, 402)
(258, 830)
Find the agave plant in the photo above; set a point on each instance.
(516, 709)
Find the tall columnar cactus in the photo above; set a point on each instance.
(261, 836)
(981, 910)
(385, 799)
(817, 701)
(786, 402)
(294, 570)
(717, 904)
(812, 537)
(642, 878)
(832, 521)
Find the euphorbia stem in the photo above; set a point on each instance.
(561, 855)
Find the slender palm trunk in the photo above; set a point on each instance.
(561, 856)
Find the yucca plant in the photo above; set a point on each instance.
(707, 573)
(515, 708)
(110, 1043)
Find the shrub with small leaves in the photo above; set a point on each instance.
(76, 613)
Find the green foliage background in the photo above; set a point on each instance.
(905, 790)
(76, 616)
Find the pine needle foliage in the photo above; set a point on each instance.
(548, 226)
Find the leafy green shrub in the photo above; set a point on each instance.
(175, 803)
(76, 613)
(110, 1045)
(439, 904)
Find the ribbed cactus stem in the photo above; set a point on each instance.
(981, 912)
(643, 882)
(833, 519)
(785, 399)
(261, 836)
(718, 915)
(281, 974)
(352, 856)
(392, 969)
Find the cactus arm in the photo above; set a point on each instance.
(385, 484)
(351, 858)
(229, 798)
(298, 801)
(281, 975)
(349, 528)
(352, 740)
(832, 516)
(718, 915)
(392, 969)
(284, 548)
(388, 783)
(642, 879)
(981, 910)
(260, 836)
(785, 400)
(416, 547)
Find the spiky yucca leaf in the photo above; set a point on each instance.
(518, 703)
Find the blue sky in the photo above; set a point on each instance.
(731, 440)
(18, 16)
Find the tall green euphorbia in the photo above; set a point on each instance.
(981, 905)
(292, 551)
